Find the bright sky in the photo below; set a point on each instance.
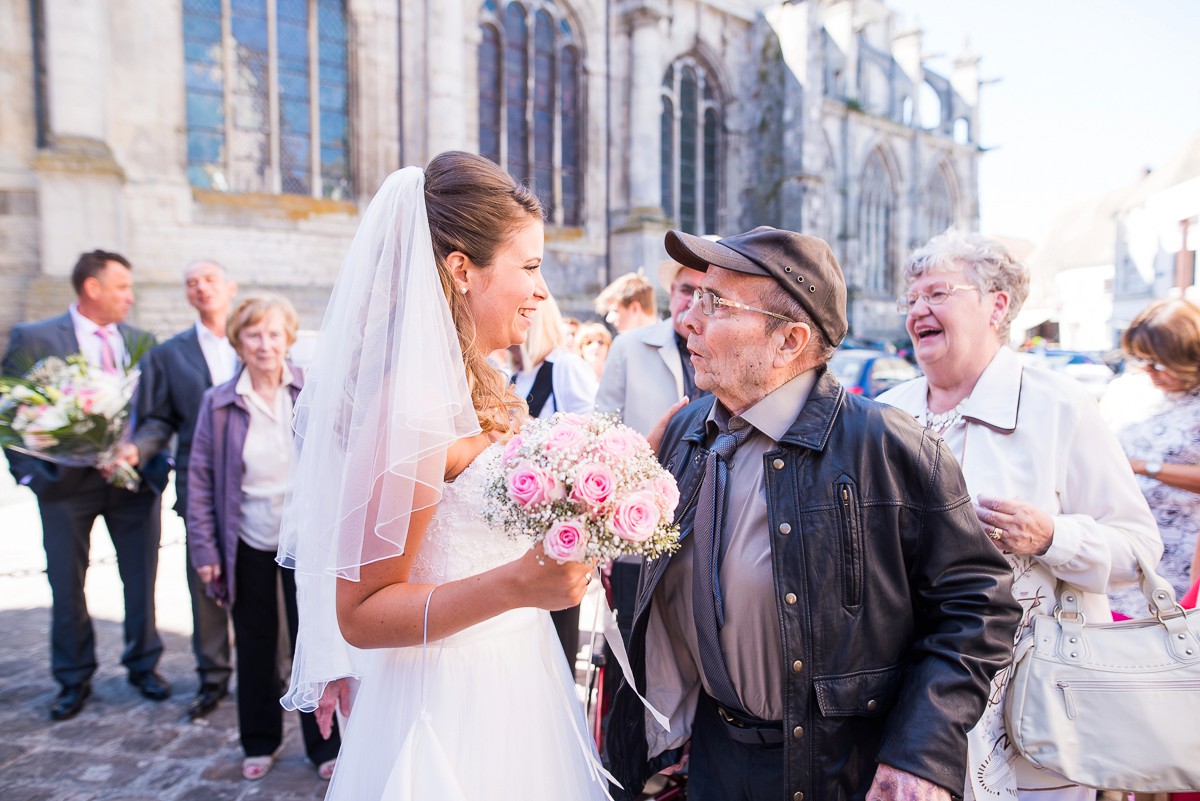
(1090, 93)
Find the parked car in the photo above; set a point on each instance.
(1086, 368)
(870, 372)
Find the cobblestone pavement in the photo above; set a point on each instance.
(121, 747)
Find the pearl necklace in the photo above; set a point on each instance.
(940, 421)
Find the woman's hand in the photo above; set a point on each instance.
(209, 573)
(335, 696)
(544, 583)
(1015, 526)
(655, 437)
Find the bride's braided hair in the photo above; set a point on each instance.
(474, 207)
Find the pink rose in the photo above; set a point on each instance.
(564, 435)
(510, 450)
(665, 492)
(636, 517)
(566, 541)
(620, 444)
(529, 485)
(594, 484)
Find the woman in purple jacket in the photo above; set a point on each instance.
(240, 472)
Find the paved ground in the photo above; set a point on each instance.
(121, 747)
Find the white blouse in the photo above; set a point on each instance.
(1035, 435)
(573, 381)
(267, 457)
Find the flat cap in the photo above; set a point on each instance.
(803, 265)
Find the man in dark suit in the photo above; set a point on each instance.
(174, 377)
(71, 498)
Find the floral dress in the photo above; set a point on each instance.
(1170, 434)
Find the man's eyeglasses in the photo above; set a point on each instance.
(709, 302)
(935, 295)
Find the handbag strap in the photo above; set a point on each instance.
(1158, 591)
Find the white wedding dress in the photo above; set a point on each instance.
(487, 713)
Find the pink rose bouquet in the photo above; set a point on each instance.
(586, 487)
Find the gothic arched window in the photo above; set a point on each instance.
(530, 97)
(876, 228)
(266, 90)
(691, 147)
(940, 203)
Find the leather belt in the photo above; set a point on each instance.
(750, 731)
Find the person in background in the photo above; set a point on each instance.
(570, 334)
(240, 472)
(552, 378)
(174, 377)
(592, 343)
(649, 370)
(555, 380)
(1048, 478)
(71, 498)
(628, 303)
(1164, 445)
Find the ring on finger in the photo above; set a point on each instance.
(996, 533)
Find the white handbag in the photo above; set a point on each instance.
(1115, 706)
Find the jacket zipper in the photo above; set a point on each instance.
(1070, 688)
(852, 581)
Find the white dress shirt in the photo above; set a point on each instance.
(267, 457)
(1034, 435)
(574, 384)
(89, 343)
(219, 355)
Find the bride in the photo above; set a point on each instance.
(462, 690)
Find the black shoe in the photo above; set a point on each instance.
(151, 685)
(206, 700)
(70, 701)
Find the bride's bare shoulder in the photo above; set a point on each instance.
(463, 452)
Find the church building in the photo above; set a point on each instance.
(254, 132)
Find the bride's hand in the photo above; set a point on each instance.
(544, 583)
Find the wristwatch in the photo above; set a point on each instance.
(1152, 469)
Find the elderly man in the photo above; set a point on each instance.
(831, 624)
(71, 498)
(174, 377)
(648, 369)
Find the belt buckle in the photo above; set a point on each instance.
(725, 716)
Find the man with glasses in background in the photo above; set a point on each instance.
(831, 623)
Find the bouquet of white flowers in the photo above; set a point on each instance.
(586, 487)
(68, 412)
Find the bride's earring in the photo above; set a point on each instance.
(463, 290)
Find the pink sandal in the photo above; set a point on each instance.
(254, 768)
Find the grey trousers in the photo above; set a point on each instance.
(211, 639)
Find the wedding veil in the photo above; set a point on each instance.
(384, 397)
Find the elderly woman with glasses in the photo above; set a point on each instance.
(1164, 446)
(1048, 478)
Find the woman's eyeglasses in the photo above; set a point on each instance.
(1146, 364)
(935, 295)
(709, 302)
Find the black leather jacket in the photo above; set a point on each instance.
(903, 610)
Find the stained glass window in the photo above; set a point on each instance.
(690, 151)
(939, 202)
(876, 219)
(265, 112)
(530, 101)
